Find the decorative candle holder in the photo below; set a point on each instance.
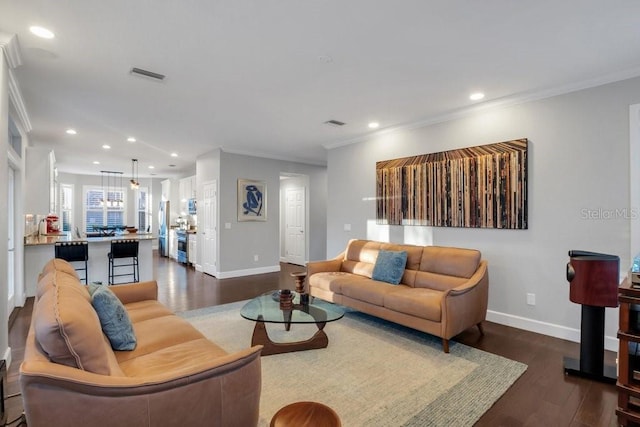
(286, 300)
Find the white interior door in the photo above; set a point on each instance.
(295, 240)
(208, 215)
(11, 282)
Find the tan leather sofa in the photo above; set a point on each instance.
(174, 377)
(443, 290)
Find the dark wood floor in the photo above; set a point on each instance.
(543, 396)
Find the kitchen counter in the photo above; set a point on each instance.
(38, 250)
(51, 239)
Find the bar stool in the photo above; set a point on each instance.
(74, 252)
(124, 248)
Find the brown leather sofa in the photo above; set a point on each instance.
(174, 377)
(443, 290)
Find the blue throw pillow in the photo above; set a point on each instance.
(113, 317)
(390, 266)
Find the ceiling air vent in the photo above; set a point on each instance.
(147, 73)
(335, 123)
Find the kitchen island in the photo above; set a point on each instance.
(40, 249)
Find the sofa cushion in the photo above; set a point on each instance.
(68, 330)
(333, 281)
(420, 302)
(144, 310)
(174, 358)
(371, 291)
(439, 282)
(158, 333)
(389, 266)
(455, 262)
(48, 281)
(113, 317)
(58, 264)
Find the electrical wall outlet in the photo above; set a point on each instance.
(256, 258)
(531, 299)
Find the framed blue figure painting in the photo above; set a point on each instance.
(252, 200)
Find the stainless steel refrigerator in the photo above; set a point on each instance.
(163, 231)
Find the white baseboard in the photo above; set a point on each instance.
(248, 272)
(7, 357)
(550, 329)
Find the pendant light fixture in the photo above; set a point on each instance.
(134, 174)
(111, 197)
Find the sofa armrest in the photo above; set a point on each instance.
(466, 305)
(327, 265)
(134, 292)
(221, 390)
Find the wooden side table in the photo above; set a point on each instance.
(306, 414)
(300, 277)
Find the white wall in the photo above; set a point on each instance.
(578, 197)
(239, 244)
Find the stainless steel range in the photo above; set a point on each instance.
(183, 246)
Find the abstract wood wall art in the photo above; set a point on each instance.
(479, 187)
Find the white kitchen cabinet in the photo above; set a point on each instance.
(166, 190)
(187, 190)
(41, 181)
(173, 244)
(193, 247)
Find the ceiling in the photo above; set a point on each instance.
(262, 77)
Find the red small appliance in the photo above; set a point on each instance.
(53, 224)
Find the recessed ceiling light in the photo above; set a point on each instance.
(151, 167)
(106, 147)
(41, 32)
(374, 125)
(476, 96)
(71, 131)
(95, 162)
(174, 154)
(131, 139)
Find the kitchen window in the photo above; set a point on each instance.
(103, 208)
(66, 206)
(143, 209)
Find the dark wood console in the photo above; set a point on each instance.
(628, 410)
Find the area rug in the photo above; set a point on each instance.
(373, 373)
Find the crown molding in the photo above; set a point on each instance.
(520, 98)
(18, 103)
(11, 49)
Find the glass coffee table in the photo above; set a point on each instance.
(266, 309)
